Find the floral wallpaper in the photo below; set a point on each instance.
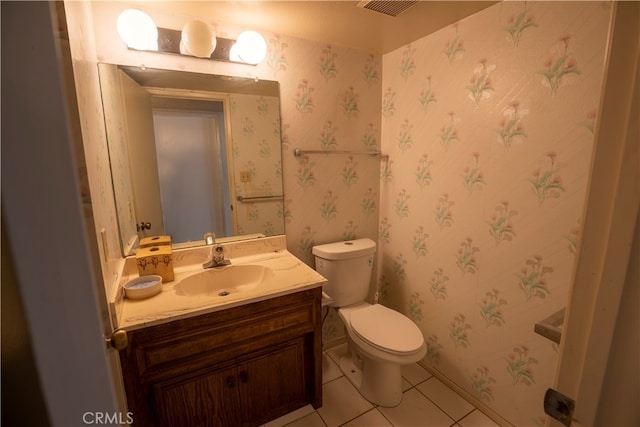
(489, 128)
(256, 149)
(330, 101)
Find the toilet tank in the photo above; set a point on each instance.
(347, 266)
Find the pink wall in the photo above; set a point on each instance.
(489, 128)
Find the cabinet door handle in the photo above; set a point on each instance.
(244, 377)
(231, 381)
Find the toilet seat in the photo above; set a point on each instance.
(386, 330)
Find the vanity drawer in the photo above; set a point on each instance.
(198, 342)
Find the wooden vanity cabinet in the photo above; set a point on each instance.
(241, 366)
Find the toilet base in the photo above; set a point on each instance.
(378, 382)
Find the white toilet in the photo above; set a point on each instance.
(380, 339)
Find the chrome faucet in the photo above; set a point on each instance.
(217, 253)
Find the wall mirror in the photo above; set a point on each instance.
(192, 153)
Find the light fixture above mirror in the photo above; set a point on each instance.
(197, 38)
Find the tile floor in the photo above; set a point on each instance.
(425, 402)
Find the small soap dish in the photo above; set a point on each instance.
(143, 287)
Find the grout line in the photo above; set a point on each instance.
(434, 403)
(359, 415)
(322, 419)
(384, 416)
(477, 403)
(335, 379)
(467, 414)
(476, 409)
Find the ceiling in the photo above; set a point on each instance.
(339, 23)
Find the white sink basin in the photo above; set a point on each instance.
(223, 281)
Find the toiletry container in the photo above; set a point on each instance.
(155, 260)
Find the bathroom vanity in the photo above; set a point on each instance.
(241, 366)
(239, 359)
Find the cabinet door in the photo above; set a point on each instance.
(273, 384)
(206, 400)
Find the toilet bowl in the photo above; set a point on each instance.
(380, 340)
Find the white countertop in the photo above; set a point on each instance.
(290, 275)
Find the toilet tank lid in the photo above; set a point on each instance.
(345, 250)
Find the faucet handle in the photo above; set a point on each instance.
(209, 238)
(218, 253)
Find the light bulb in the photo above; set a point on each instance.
(251, 47)
(138, 30)
(233, 53)
(198, 39)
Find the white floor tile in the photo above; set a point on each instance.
(477, 419)
(291, 416)
(446, 399)
(415, 373)
(416, 410)
(341, 402)
(373, 418)
(330, 369)
(311, 420)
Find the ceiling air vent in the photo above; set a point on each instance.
(388, 7)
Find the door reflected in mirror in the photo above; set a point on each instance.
(191, 153)
(190, 149)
